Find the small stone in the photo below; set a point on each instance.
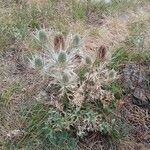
(140, 94)
(140, 98)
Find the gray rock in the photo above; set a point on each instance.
(135, 82)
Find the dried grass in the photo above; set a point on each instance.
(111, 33)
(18, 91)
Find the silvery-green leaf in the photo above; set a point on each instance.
(88, 60)
(38, 62)
(76, 41)
(62, 57)
(65, 78)
(42, 36)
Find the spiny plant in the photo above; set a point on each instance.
(76, 92)
(64, 60)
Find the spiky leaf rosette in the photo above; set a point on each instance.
(76, 85)
(64, 66)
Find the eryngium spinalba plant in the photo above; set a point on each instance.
(77, 81)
